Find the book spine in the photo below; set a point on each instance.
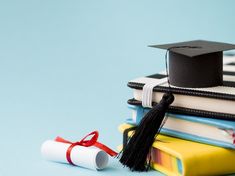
(192, 112)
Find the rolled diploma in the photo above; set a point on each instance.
(88, 157)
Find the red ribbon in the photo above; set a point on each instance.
(86, 143)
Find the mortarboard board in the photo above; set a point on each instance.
(197, 63)
(192, 64)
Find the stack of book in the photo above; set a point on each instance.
(198, 136)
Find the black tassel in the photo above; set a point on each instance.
(135, 153)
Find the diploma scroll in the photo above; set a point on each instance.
(87, 157)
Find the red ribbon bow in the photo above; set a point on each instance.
(86, 143)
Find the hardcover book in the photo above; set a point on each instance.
(178, 157)
(204, 102)
(204, 130)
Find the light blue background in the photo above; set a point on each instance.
(64, 66)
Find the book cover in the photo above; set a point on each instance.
(205, 130)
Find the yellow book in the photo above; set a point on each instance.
(178, 157)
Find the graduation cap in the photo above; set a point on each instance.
(191, 64)
(197, 63)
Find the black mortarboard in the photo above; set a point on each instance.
(197, 63)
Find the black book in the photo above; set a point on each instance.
(214, 102)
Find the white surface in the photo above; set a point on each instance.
(194, 102)
(198, 129)
(147, 95)
(228, 59)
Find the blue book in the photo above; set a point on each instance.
(199, 129)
